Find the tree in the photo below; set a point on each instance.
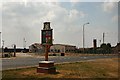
(103, 46)
(106, 47)
(109, 45)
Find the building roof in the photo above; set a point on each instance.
(64, 45)
(37, 45)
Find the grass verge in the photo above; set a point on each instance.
(101, 68)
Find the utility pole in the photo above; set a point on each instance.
(24, 43)
(103, 37)
(0, 40)
(0, 43)
(2, 47)
(14, 50)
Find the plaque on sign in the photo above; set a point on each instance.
(46, 37)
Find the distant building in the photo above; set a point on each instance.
(116, 49)
(36, 48)
(62, 48)
(9, 50)
(55, 48)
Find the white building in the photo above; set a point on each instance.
(55, 48)
(62, 48)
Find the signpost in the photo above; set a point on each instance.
(47, 41)
(46, 38)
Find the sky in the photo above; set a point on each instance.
(25, 20)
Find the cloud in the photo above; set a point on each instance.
(74, 13)
(21, 21)
(109, 6)
(111, 0)
(115, 18)
(75, 0)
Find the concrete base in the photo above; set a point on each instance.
(46, 70)
(46, 67)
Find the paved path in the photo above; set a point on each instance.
(12, 63)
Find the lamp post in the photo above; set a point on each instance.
(84, 35)
(3, 48)
(0, 39)
(0, 44)
(24, 43)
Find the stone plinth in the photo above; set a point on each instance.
(46, 67)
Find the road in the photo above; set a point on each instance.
(21, 62)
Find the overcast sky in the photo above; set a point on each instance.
(25, 20)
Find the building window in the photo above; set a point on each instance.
(58, 50)
(51, 50)
(55, 50)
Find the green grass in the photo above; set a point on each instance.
(104, 68)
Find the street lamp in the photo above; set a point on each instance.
(0, 39)
(83, 36)
(2, 48)
(0, 44)
(24, 43)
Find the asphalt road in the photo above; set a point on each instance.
(20, 62)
